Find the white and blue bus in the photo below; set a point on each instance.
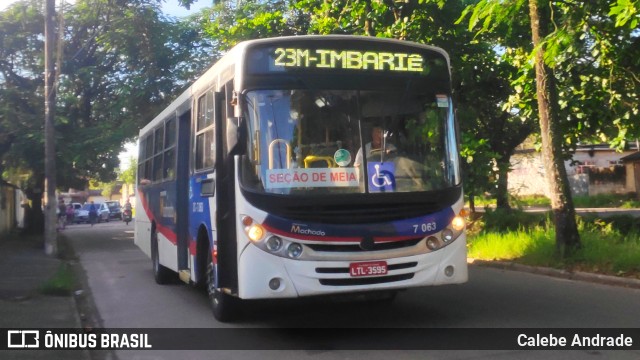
(309, 165)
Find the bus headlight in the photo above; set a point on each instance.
(271, 243)
(454, 230)
(433, 243)
(447, 235)
(255, 232)
(294, 250)
(274, 243)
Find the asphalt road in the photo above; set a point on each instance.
(121, 285)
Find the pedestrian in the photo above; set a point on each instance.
(93, 213)
(62, 215)
(70, 214)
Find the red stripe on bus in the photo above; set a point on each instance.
(165, 231)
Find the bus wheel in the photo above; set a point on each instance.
(161, 274)
(224, 306)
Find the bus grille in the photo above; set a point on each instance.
(391, 245)
(365, 281)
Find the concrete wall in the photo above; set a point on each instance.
(11, 211)
(7, 209)
(633, 171)
(527, 176)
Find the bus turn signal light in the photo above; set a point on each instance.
(457, 223)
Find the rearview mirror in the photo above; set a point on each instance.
(235, 134)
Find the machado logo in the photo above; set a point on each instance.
(297, 229)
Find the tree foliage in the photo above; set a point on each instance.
(594, 50)
(128, 175)
(481, 77)
(234, 21)
(21, 87)
(121, 63)
(582, 61)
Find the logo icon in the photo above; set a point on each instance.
(342, 157)
(22, 339)
(382, 178)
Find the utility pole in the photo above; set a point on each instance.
(50, 218)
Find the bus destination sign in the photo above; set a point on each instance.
(290, 58)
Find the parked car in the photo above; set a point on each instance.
(115, 211)
(83, 214)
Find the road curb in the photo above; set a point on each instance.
(85, 352)
(559, 273)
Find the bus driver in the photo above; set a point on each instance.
(375, 146)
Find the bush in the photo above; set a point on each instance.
(606, 200)
(501, 220)
(623, 224)
(61, 283)
(530, 200)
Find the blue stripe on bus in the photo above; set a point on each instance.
(199, 209)
(385, 231)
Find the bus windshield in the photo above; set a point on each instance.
(349, 141)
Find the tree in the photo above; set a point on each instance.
(585, 56)
(487, 119)
(50, 237)
(233, 22)
(121, 65)
(22, 100)
(477, 167)
(600, 69)
(567, 236)
(128, 175)
(481, 76)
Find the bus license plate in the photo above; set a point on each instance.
(371, 268)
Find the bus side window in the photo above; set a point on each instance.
(205, 126)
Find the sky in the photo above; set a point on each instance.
(171, 7)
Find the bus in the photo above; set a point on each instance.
(302, 166)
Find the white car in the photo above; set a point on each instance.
(82, 215)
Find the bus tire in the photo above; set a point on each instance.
(161, 274)
(225, 307)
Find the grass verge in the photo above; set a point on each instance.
(609, 246)
(62, 283)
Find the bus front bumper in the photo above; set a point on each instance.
(262, 275)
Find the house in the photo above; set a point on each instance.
(594, 169)
(632, 167)
(12, 200)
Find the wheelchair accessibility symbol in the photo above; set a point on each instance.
(382, 178)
